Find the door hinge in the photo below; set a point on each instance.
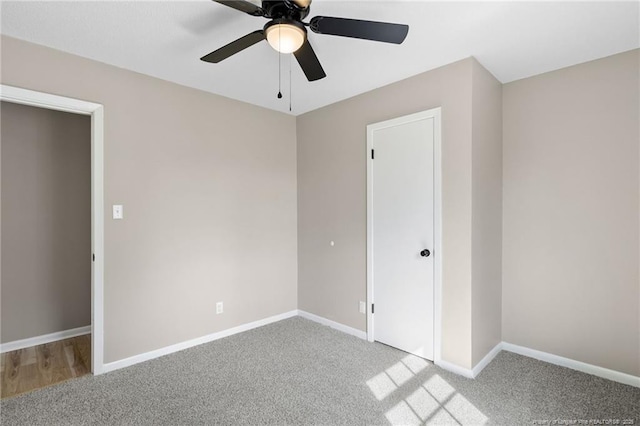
(372, 154)
(93, 257)
(373, 308)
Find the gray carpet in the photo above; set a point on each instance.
(298, 372)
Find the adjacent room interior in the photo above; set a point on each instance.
(46, 246)
(211, 247)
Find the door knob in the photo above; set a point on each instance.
(425, 253)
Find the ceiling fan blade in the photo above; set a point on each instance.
(243, 6)
(234, 47)
(309, 62)
(368, 30)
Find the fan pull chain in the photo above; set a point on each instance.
(279, 76)
(290, 55)
(279, 66)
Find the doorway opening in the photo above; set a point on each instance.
(74, 341)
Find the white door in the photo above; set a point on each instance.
(401, 223)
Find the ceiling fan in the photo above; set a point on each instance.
(286, 32)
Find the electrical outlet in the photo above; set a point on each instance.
(363, 307)
(117, 211)
(219, 308)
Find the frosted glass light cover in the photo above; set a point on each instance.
(285, 38)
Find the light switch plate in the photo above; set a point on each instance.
(118, 213)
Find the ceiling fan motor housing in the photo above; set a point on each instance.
(291, 9)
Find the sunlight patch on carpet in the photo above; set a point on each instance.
(434, 402)
(381, 386)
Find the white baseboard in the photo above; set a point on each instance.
(45, 338)
(471, 373)
(605, 373)
(116, 365)
(487, 359)
(340, 327)
(464, 372)
(613, 375)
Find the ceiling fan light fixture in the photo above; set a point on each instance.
(285, 36)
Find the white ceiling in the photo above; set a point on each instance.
(513, 40)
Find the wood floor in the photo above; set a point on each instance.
(39, 366)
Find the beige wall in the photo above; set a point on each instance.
(486, 264)
(332, 199)
(210, 205)
(208, 186)
(46, 221)
(571, 185)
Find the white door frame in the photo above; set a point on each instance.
(96, 111)
(435, 114)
